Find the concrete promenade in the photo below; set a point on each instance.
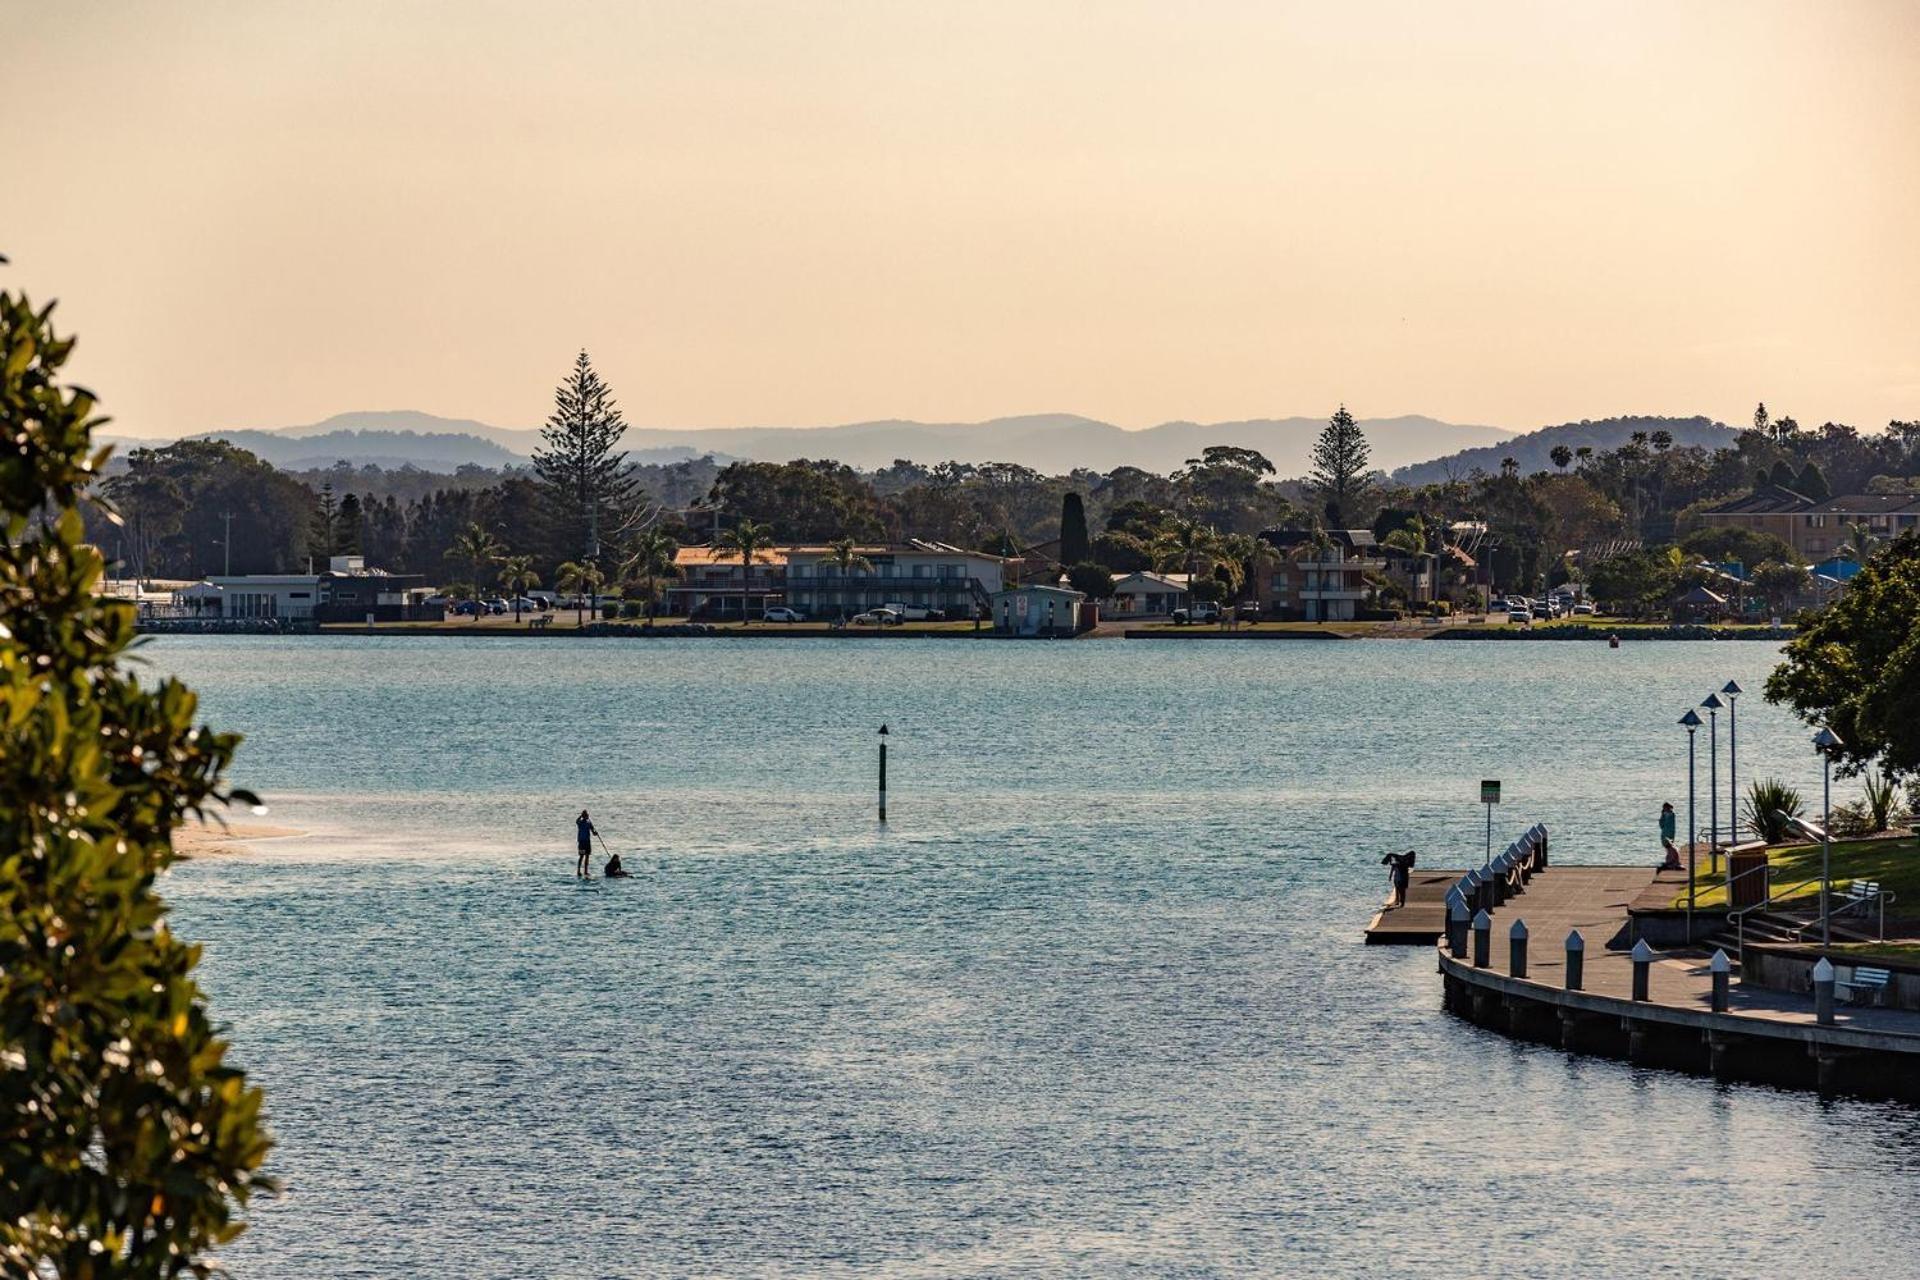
(1764, 1034)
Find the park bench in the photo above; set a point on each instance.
(540, 623)
(1863, 985)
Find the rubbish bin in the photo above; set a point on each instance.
(1747, 877)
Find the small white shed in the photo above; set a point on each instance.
(1037, 611)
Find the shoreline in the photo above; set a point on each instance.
(1106, 630)
(213, 839)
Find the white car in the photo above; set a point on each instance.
(780, 613)
(877, 618)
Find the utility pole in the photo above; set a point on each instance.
(883, 773)
(226, 543)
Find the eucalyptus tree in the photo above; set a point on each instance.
(128, 1142)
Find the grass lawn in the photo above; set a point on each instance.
(1908, 952)
(1895, 864)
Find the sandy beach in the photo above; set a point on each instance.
(204, 839)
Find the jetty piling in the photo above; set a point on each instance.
(1457, 917)
(1722, 969)
(1642, 956)
(1482, 940)
(1823, 992)
(1576, 959)
(1517, 949)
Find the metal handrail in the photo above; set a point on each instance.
(1880, 897)
(1738, 919)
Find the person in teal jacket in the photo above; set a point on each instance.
(1669, 828)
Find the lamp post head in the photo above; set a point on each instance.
(1691, 720)
(1732, 689)
(1713, 702)
(883, 731)
(1827, 740)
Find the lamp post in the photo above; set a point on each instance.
(1826, 742)
(1690, 722)
(1732, 690)
(1713, 705)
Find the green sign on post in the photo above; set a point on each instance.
(1490, 791)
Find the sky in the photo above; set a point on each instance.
(771, 213)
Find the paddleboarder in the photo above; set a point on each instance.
(584, 828)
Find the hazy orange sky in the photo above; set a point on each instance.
(259, 214)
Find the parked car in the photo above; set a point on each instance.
(527, 604)
(780, 613)
(1541, 609)
(914, 612)
(1584, 610)
(468, 609)
(1519, 615)
(877, 618)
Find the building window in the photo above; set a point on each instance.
(1279, 582)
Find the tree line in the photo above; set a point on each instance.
(201, 506)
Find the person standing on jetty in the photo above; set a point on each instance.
(1669, 827)
(1399, 873)
(584, 828)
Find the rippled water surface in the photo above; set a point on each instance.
(1092, 1004)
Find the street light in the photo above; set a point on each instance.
(1690, 722)
(1732, 690)
(1713, 705)
(1826, 742)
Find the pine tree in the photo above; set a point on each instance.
(581, 464)
(322, 540)
(1075, 546)
(1339, 470)
(347, 526)
(1811, 484)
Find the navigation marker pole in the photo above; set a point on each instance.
(1489, 796)
(883, 773)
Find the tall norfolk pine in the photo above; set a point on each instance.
(126, 1141)
(581, 464)
(1339, 471)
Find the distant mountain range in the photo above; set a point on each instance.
(1052, 443)
(1415, 449)
(1534, 450)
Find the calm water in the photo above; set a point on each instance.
(1093, 1004)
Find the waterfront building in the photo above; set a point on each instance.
(348, 591)
(1317, 583)
(917, 574)
(1143, 593)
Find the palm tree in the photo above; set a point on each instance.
(746, 540)
(1190, 542)
(517, 575)
(1242, 553)
(581, 581)
(1412, 539)
(651, 558)
(844, 555)
(1861, 542)
(477, 549)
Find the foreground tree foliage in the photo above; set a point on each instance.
(1856, 664)
(126, 1141)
